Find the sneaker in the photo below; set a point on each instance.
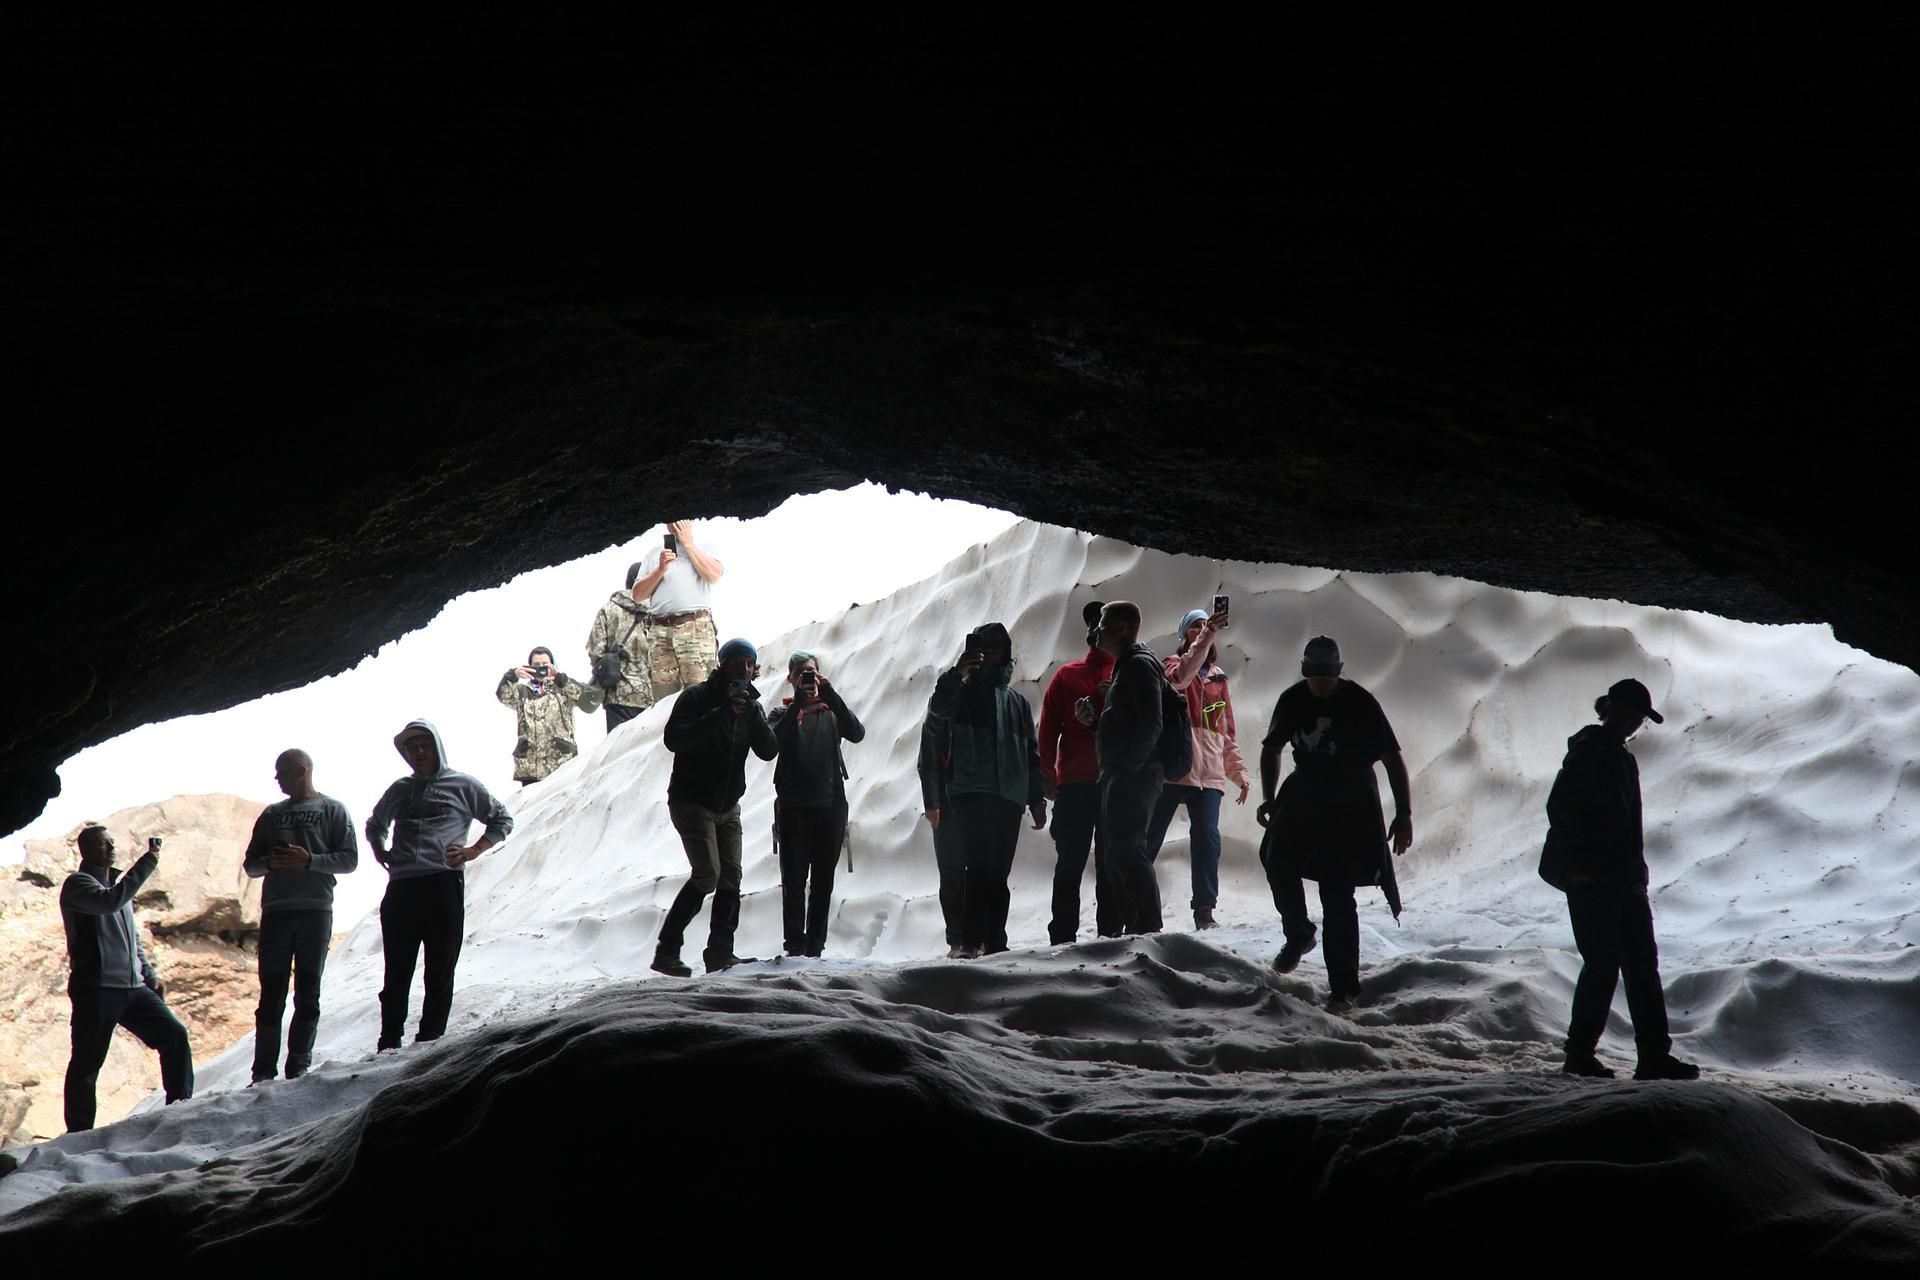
(716, 963)
(1203, 919)
(956, 952)
(1666, 1067)
(1338, 1004)
(259, 1080)
(1289, 958)
(1586, 1064)
(668, 962)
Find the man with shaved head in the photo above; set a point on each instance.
(299, 845)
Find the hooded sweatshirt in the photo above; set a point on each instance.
(1594, 815)
(324, 829)
(103, 944)
(992, 747)
(1217, 762)
(428, 813)
(1066, 745)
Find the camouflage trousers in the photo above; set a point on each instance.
(684, 654)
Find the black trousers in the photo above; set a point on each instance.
(1076, 831)
(96, 1012)
(990, 832)
(1339, 920)
(1613, 927)
(712, 843)
(950, 853)
(618, 715)
(1127, 800)
(810, 837)
(293, 944)
(427, 912)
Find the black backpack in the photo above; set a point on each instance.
(1174, 751)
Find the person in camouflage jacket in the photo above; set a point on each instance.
(623, 623)
(545, 705)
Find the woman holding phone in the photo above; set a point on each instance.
(1217, 763)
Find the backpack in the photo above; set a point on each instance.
(607, 667)
(1174, 750)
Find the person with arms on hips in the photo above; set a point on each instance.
(1596, 854)
(711, 729)
(430, 814)
(111, 982)
(1195, 674)
(544, 701)
(1325, 823)
(996, 772)
(810, 798)
(677, 587)
(298, 845)
(1070, 770)
(621, 647)
(1126, 741)
(949, 852)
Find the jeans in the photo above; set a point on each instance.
(810, 837)
(1613, 927)
(96, 1012)
(990, 832)
(1127, 800)
(712, 842)
(293, 944)
(1203, 821)
(1075, 830)
(427, 912)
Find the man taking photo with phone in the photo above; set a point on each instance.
(677, 586)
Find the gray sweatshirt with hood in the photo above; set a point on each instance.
(429, 812)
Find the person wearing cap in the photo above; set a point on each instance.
(1070, 774)
(544, 701)
(1217, 764)
(430, 814)
(1127, 742)
(710, 731)
(995, 772)
(810, 798)
(1595, 853)
(1324, 824)
(676, 585)
(621, 628)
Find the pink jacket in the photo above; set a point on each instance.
(1216, 749)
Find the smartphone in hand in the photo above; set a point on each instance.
(1220, 609)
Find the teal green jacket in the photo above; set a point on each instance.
(993, 747)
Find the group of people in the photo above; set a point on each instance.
(1123, 741)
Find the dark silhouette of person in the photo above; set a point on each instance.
(995, 771)
(810, 790)
(949, 854)
(111, 982)
(1324, 824)
(1127, 742)
(1595, 853)
(710, 730)
(1070, 769)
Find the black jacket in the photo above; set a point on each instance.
(810, 737)
(710, 745)
(1593, 815)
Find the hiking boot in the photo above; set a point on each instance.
(1585, 1064)
(668, 962)
(956, 952)
(295, 1071)
(1203, 919)
(1665, 1067)
(716, 963)
(1289, 958)
(1339, 1003)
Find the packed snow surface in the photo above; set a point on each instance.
(1781, 809)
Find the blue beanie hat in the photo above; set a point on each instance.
(738, 646)
(1190, 617)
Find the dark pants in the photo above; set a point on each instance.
(950, 853)
(1075, 830)
(1339, 922)
(1127, 800)
(1613, 927)
(422, 912)
(810, 837)
(292, 944)
(712, 842)
(1203, 823)
(990, 832)
(618, 715)
(96, 1012)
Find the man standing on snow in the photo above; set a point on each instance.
(1070, 770)
(620, 630)
(543, 709)
(1126, 741)
(810, 802)
(678, 588)
(299, 845)
(430, 814)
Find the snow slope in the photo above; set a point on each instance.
(1782, 804)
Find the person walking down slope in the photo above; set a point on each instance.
(810, 798)
(1070, 768)
(712, 727)
(430, 815)
(544, 707)
(1217, 764)
(996, 770)
(1595, 853)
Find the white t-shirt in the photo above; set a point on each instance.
(682, 590)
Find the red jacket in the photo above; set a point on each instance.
(1066, 745)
